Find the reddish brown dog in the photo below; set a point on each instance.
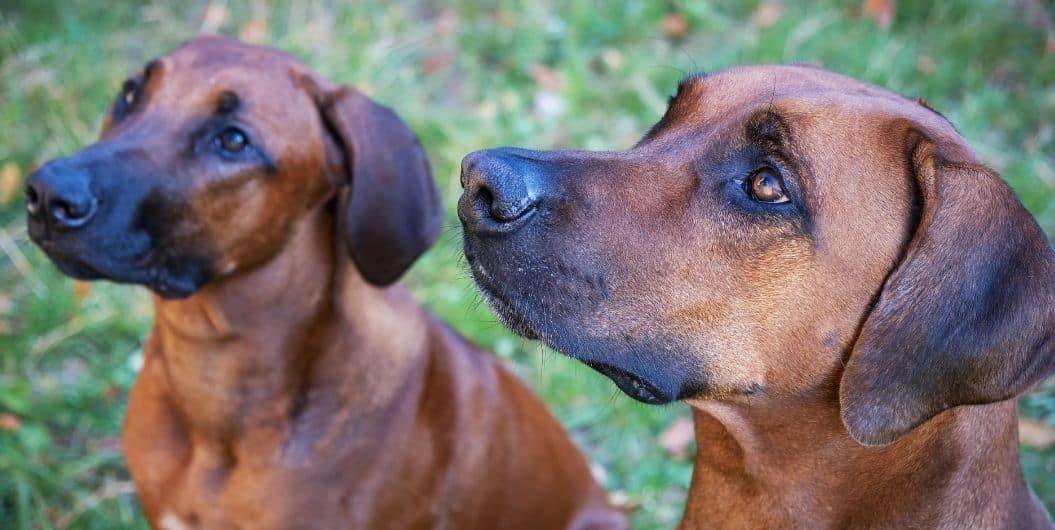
(284, 385)
(848, 299)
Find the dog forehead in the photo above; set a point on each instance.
(212, 51)
(732, 95)
(198, 78)
(206, 65)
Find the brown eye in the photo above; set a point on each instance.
(232, 140)
(127, 98)
(765, 186)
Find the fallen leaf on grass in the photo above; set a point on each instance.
(254, 31)
(214, 18)
(546, 77)
(926, 65)
(10, 182)
(767, 14)
(622, 502)
(1036, 434)
(675, 25)
(9, 422)
(881, 12)
(81, 290)
(435, 62)
(677, 438)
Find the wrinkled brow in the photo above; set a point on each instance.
(228, 102)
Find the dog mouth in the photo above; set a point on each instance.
(142, 269)
(631, 384)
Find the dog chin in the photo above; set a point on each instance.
(166, 283)
(507, 316)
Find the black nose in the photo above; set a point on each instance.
(500, 190)
(61, 196)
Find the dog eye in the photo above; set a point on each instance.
(765, 185)
(128, 96)
(232, 140)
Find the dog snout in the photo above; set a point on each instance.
(61, 196)
(500, 190)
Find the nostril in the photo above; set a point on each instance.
(71, 214)
(33, 200)
(509, 211)
(501, 209)
(485, 197)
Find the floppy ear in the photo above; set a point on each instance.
(392, 212)
(966, 317)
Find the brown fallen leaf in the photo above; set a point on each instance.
(254, 31)
(767, 14)
(881, 12)
(10, 182)
(546, 77)
(926, 65)
(675, 26)
(214, 18)
(1049, 44)
(9, 422)
(1036, 434)
(677, 437)
(81, 290)
(435, 62)
(623, 502)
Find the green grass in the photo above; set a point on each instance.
(464, 76)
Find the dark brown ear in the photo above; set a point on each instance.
(967, 317)
(392, 212)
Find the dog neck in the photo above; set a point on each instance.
(261, 347)
(770, 466)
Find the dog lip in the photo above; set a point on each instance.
(631, 384)
(502, 308)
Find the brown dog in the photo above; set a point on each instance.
(283, 386)
(822, 269)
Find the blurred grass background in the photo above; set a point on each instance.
(465, 75)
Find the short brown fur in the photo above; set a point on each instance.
(851, 355)
(294, 388)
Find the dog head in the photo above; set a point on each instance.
(209, 156)
(781, 230)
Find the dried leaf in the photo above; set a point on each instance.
(81, 290)
(1049, 44)
(10, 182)
(1036, 434)
(621, 501)
(254, 31)
(546, 77)
(435, 62)
(677, 437)
(926, 65)
(675, 26)
(214, 18)
(881, 12)
(767, 14)
(9, 422)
